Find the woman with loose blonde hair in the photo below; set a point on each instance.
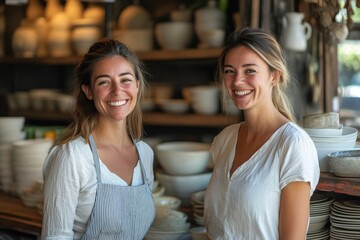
(265, 167)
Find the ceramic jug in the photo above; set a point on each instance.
(295, 31)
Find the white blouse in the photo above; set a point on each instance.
(70, 183)
(246, 205)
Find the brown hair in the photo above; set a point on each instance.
(85, 114)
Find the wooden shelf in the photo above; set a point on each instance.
(330, 182)
(196, 120)
(155, 55)
(16, 216)
(149, 118)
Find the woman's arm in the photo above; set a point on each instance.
(294, 211)
(61, 190)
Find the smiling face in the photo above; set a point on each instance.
(247, 78)
(113, 89)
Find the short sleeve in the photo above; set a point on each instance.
(299, 160)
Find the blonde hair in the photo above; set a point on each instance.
(267, 47)
(85, 114)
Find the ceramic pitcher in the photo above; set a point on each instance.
(295, 31)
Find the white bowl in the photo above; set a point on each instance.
(183, 186)
(65, 102)
(14, 124)
(135, 39)
(183, 158)
(167, 202)
(324, 151)
(324, 132)
(175, 106)
(198, 197)
(348, 134)
(212, 37)
(174, 35)
(345, 163)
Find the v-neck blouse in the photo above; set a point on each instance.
(246, 205)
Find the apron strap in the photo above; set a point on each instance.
(143, 172)
(95, 157)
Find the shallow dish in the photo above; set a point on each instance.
(345, 163)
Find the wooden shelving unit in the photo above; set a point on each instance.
(155, 55)
(150, 118)
(331, 183)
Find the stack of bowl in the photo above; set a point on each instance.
(197, 202)
(185, 168)
(204, 99)
(11, 129)
(28, 159)
(134, 28)
(168, 224)
(329, 140)
(210, 23)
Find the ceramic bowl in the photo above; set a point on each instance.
(324, 132)
(174, 35)
(324, 151)
(183, 158)
(345, 163)
(176, 106)
(167, 202)
(183, 186)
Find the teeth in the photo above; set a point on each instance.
(118, 103)
(241, 93)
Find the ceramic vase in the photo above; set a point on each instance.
(295, 31)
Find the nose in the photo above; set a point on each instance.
(239, 79)
(116, 88)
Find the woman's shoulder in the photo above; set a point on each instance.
(294, 131)
(230, 130)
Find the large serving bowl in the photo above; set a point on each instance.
(174, 35)
(183, 186)
(183, 158)
(345, 163)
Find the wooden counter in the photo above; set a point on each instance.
(16, 216)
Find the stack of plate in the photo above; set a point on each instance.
(11, 129)
(329, 140)
(197, 202)
(168, 224)
(28, 159)
(345, 219)
(319, 216)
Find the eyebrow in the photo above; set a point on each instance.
(245, 65)
(122, 74)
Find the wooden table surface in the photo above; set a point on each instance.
(16, 216)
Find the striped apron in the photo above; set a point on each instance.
(120, 212)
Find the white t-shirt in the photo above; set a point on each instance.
(70, 186)
(246, 206)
